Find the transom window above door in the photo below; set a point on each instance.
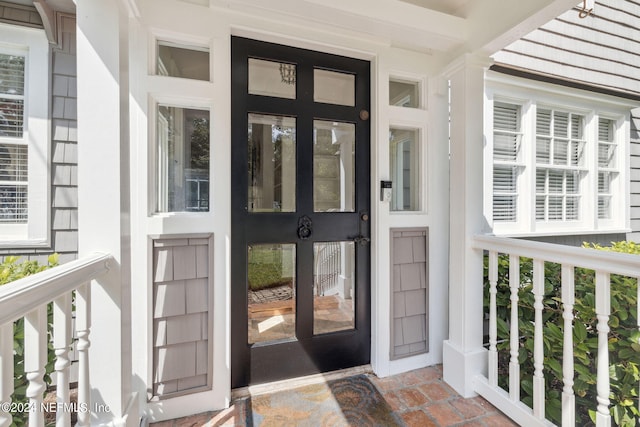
(279, 79)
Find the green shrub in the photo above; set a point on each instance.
(11, 270)
(268, 268)
(624, 338)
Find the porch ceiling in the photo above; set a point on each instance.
(451, 27)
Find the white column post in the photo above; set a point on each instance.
(104, 194)
(464, 356)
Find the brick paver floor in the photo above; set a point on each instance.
(420, 398)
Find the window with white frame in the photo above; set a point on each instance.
(24, 137)
(556, 163)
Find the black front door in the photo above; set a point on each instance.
(300, 252)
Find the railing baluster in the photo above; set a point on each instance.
(605, 264)
(568, 299)
(61, 345)
(6, 371)
(493, 321)
(603, 310)
(538, 350)
(83, 327)
(35, 359)
(514, 344)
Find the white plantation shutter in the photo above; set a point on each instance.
(572, 208)
(505, 193)
(13, 149)
(506, 147)
(606, 166)
(577, 142)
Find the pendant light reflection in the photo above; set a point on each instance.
(288, 73)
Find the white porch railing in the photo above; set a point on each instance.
(327, 266)
(28, 298)
(604, 264)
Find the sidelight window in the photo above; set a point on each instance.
(404, 166)
(182, 159)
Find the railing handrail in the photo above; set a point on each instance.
(24, 295)
(611, 262)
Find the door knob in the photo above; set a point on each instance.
(305, 227)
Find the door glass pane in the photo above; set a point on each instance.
(182, 61)
(271, 273)
(333, 166)
(333, 287)
(334, 88)
(182, 160)
(404, 158)
(269, 78)
(272, 163)
(404, 94)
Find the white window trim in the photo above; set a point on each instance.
(529, 94)
(34, 44)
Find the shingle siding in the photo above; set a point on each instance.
(181, 312)
(64, 145)
(600, 50)
(409, 282)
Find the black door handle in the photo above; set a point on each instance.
(305, 227)
(361, 240)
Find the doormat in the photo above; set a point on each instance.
(352, 401)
